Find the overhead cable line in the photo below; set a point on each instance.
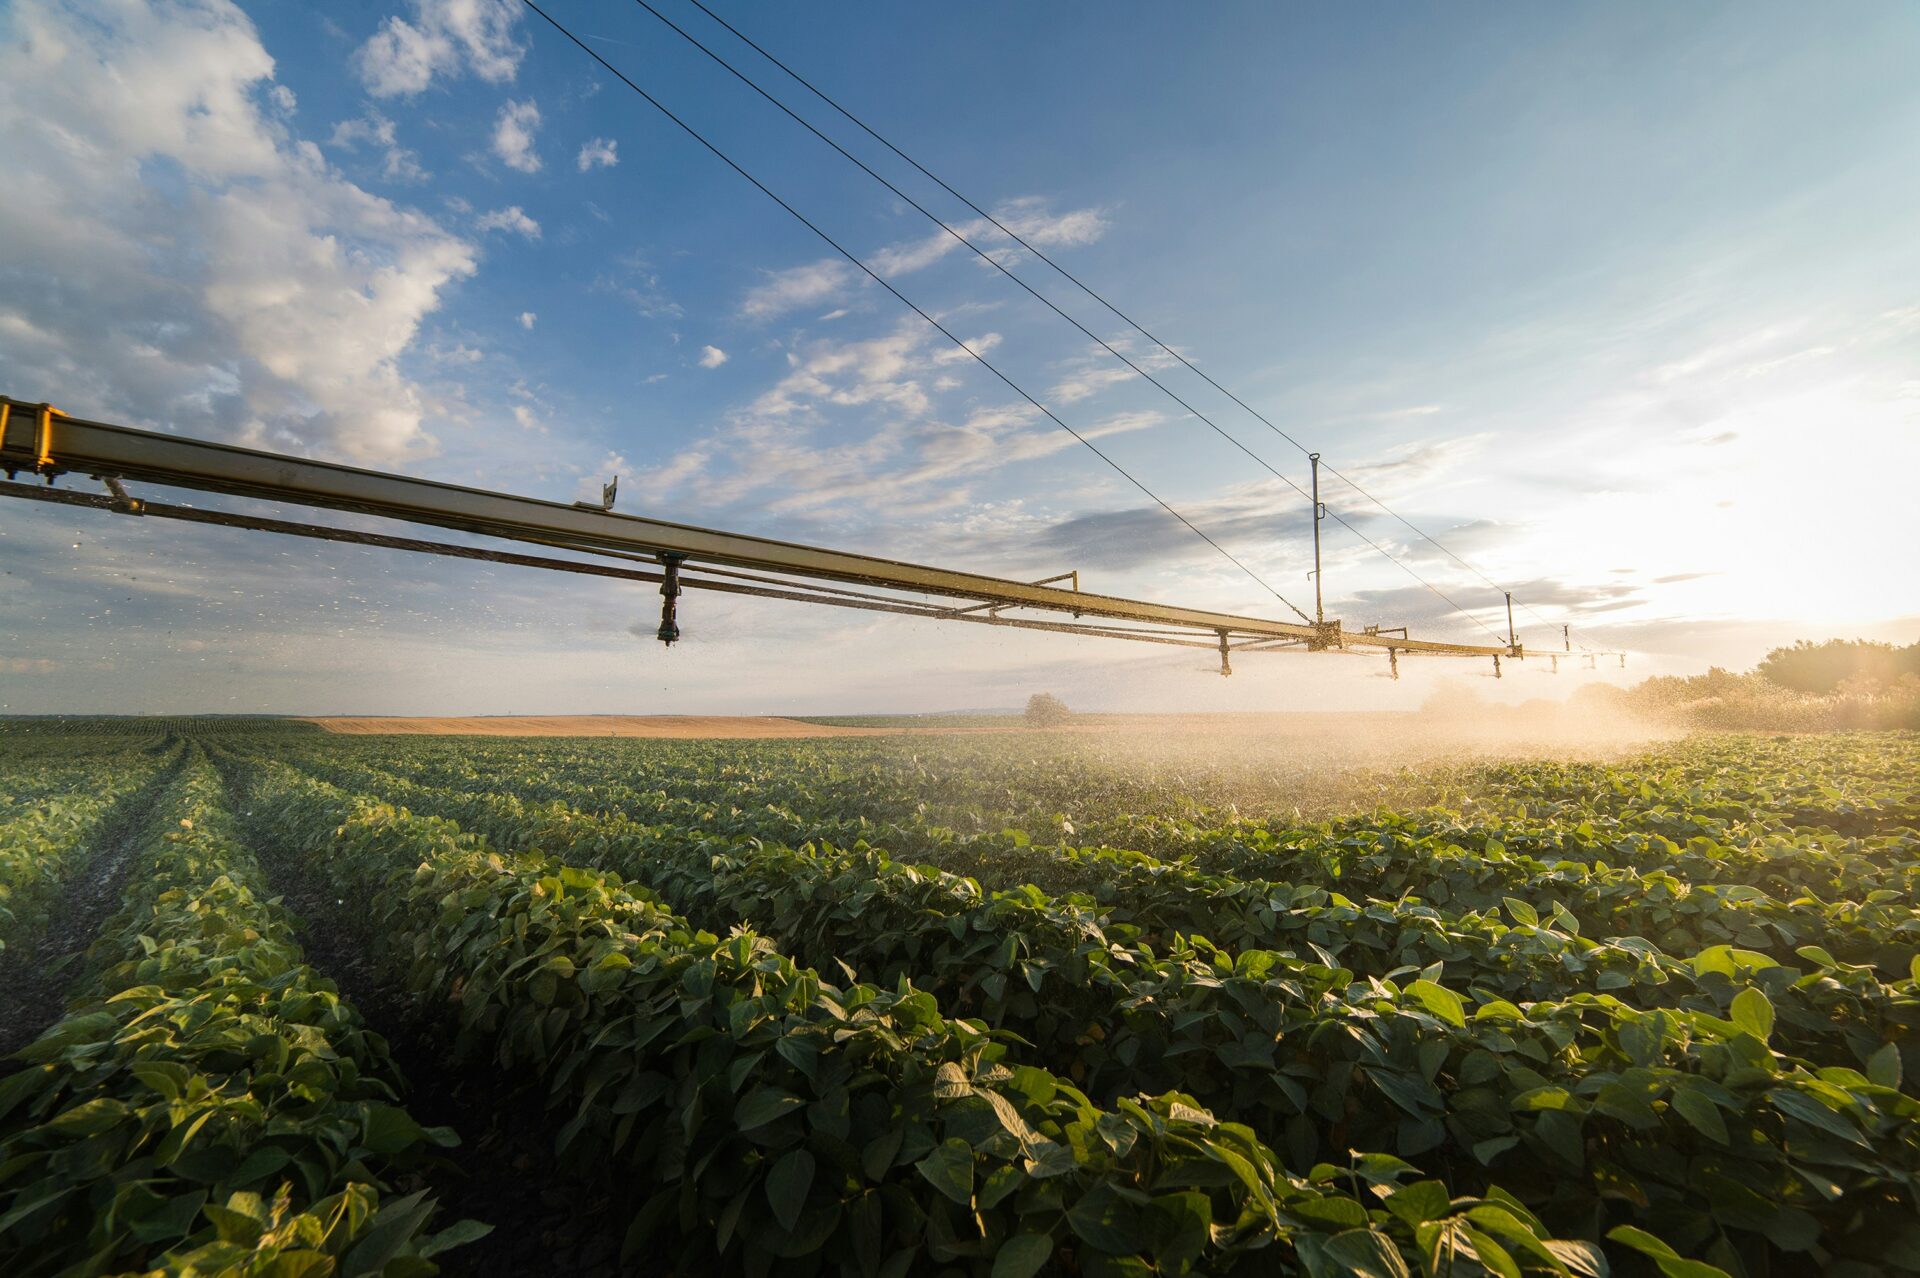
(961, 237)
(834, 244)
(1048, 302)
(1018, 239)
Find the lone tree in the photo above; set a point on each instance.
(1044, 710)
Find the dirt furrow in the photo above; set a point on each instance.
(504, 1171)
(35, 975)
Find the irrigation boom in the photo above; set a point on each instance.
(36, 439)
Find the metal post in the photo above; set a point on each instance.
(1566, 637)
(1513, 640)
(1319, 612)
(1226, 665)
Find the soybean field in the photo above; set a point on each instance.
(1004, 1004)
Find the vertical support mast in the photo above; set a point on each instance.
(1513, 640)
(1319, 511)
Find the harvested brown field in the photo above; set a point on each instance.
(672, 726)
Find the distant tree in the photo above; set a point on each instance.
(1823, 668)
(1044, 710)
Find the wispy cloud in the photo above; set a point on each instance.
(848, 374)
(1031, 218)
(817, 282)
(633, 279)
(1096, 370)
(797, 287)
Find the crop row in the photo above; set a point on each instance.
(1776, 893)
(208, 1105)
(30, 775)
(1840, 1014)
(1261, 899)
(1673, 1114)
(880, 1135)
(1725, 789)
(1845, 782)
(45, 840)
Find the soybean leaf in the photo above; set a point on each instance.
(787, 1186)
(1441, 1001)
(1022, 1256)
(762, 1105)
(1883, 1067)
(949, 1168)
(1752, 1011)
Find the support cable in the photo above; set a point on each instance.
(834, 244)
(961, 237)
(1051, 305)
(1071, 278)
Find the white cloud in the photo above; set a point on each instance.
(260, 297)
(601, 152)
(909, 461)
(526, 319)
(444, 37)
(878, 370)
(796, 287)
(511, 218)
(513, 136)
(376, 130)
(1029, 218)
(712, 357)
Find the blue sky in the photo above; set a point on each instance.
(1616, 300)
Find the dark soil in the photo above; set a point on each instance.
(503, 1172)
(35, 974)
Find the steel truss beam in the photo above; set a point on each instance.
(49, 444)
